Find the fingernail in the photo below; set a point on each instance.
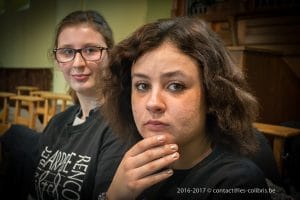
(175, 155)
(173, 147)
(161, 138)
(170, 171)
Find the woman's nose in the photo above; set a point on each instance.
(155, 102)
(78, 60)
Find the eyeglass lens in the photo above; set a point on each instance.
(88, 53)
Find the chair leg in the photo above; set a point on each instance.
(17, 111)
(31, 115)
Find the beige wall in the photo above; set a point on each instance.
(26, 36)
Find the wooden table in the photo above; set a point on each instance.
(279, 135)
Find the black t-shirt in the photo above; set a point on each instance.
(76, 162)
(221, 175)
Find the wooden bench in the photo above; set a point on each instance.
(279, 134)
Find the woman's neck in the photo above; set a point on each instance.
(88, 103)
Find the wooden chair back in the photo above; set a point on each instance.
(278, 134)
(32, 103)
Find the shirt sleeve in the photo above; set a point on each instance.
(110, 156)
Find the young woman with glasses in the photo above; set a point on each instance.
(78, 153)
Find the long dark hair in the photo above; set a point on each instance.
(231, 108)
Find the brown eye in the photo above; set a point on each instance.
(142, 87)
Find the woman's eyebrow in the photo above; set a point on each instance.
(176, 73)
(139, 75)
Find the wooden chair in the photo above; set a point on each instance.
(51, 103)
(5, 110)
(25, 90)
(48, 107)
(32, 103)
(39, 93)
(279, 134)
(40, 110)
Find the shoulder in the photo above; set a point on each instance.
(241, 166)
(60, 120)
(226, 169)
(234, 170)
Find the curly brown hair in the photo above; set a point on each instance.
(231, 108)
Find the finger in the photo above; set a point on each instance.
(153, 154)
(146, 144)
(155, 166)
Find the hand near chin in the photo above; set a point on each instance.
(144, 165)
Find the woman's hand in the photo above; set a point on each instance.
(144, 165)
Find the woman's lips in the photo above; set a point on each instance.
(156, 126)
(80, 77)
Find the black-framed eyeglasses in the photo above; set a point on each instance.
(92, 53)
